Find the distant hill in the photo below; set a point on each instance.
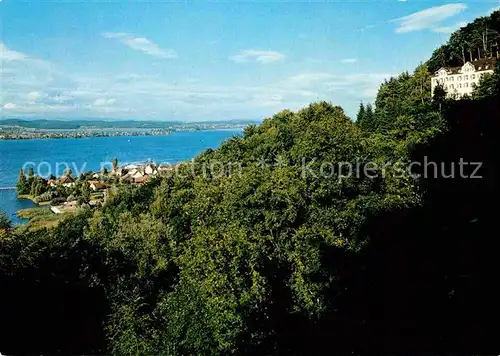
(126, 124)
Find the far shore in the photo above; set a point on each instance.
(79, 134)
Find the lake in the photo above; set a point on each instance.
(87, 154)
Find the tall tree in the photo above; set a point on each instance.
(85, 192)
(22, 183)
(361, 113)
(489, 84)
(5, 222)
(439, 96)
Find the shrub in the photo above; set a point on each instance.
(57, 201)
(43, 197)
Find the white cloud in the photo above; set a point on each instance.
(493, 10)
(360, 81)
(349, 60)
(258, 56)
(429, 18)
(33, 96)
(38, 89)
(402, 0)
(36, 109)
(351, 87)
(10, 55)
(61, 98)
(449, 29)
(104, 102)
(369, 93)
(10, 106)
(309, 78)
(141, 44)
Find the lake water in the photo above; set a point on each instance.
(87, 154)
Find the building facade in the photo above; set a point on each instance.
(460, 81)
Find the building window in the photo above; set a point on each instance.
(459, 78)
(473, 76)
(466, 77)
(466, 85)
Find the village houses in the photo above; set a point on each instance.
(66, 181)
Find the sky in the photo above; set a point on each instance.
(199, 61)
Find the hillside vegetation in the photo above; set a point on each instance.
(283, 253)
(478, 39)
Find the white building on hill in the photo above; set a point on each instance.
(458, 81)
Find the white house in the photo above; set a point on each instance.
(137, 174)
(66, 181)
(458, 81)
(150, 169)
(96, 185)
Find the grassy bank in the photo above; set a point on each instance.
(40, 217)
(29, 197)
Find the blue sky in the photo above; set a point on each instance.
(201, 61)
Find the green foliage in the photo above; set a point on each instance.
(281, 238)
(366, 118)
(439, 95)
(5, 222)
(478, 39)
(38, 186)
(361, 113)
(57, 201)
(489, 85)
(195, 257)
(22, 183)
(404, 96)
(31, 213)
(85, 193)
(47, 196)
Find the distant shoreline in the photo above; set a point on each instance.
(111, 132)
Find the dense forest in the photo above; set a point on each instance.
(267, 259)
(477, 40)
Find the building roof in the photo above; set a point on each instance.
(141, 179)
(97, 184)
(66, 179)
(484, 64)
(479, 65)
(127, 177)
